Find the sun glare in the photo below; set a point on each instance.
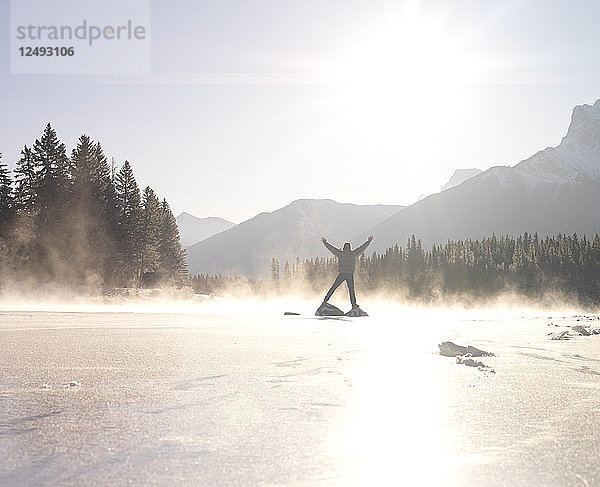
(409, 73)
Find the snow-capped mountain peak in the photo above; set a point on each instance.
(580, 148)
(578, 154)
(460, 176)
(555, 190)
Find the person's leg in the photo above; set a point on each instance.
(338, 280)
(350, 281)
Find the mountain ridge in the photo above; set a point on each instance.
(286, 233)
(193, 229)
(557, 189)
(460, 176)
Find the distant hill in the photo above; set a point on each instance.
(193, 229)
(287, 233)
(555, 190)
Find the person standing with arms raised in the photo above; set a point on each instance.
(346, 266)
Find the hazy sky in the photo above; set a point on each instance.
(252, 104)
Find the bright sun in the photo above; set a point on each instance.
(409, 73)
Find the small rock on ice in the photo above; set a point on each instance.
(585, 330)
(469, 362)
(560, 335)
(356, 312)
(450, 349)
(327, 309)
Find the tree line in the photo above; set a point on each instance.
(77, 220)
(479, 270)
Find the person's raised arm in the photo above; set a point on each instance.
(330, 247)
(363, 247)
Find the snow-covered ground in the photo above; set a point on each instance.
(238, 394)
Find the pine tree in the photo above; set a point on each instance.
(128, 193)
(92, 227)
(107, 175)
(104, 183)
(53, 174)
(6, 197)
(25, 236)
(172, 266)
(7, 207)
(49, 252)
(77, 217)
(129, 225)
(25, 183)
(82, 163)
(149, 241)
(275, 270)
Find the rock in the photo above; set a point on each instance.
(449, 349)
(584, 330)
(356, 312)
(291, 313)
(464, 355)
(560, 335)
(469, 362)
(327, 309)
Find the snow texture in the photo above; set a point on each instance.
(237, 394)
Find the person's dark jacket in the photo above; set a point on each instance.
(347, 258)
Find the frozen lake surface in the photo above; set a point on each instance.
(241, 395)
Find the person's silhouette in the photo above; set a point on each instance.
(346, 265)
